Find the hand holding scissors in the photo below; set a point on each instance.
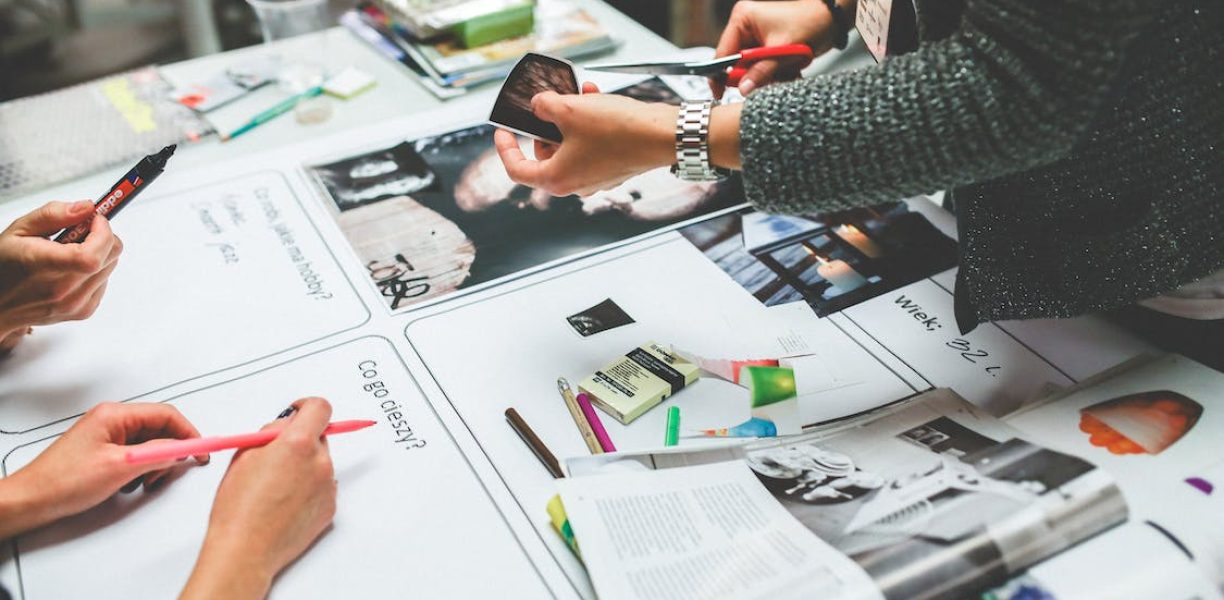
(728, 70)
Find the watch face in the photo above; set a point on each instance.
(533, 74)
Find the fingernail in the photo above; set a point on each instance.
(286, 413)
(746, 86)
(81, 207)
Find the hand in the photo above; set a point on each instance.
(776, 23)
(272, 504)
(87, 464)
(44, 282)
(607, 140)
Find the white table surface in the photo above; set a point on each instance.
(396, 95)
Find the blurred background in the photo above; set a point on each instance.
(48, 44)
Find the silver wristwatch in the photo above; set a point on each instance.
(693, 144)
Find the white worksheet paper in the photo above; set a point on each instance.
(987, 366)
(211, 277)
(508, 349)
(411, 517)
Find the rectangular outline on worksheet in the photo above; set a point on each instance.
(555, 276)
(424, 398)
(314, 227)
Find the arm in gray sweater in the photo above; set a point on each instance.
(1014, 87)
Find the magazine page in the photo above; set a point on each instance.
(1135, 560)
(932, 498)
(700, 532)
(1157, 430)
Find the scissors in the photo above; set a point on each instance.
(731, 67)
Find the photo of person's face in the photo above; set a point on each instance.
(533, 74)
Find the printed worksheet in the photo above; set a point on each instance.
(211, 277)
(412, 518)
(508, 350)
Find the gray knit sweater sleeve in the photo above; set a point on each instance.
(1014, 87)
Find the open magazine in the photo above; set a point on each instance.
(1108, 490)
(930, 499)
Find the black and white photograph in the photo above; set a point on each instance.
(932, 493)
(439, 214)
(831, 261)
(534, 73)
(601, 317)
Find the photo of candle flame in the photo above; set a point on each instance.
(817, 255)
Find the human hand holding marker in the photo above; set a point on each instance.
(44, 282)
(273, 502)
(87, 464)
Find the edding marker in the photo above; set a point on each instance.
(174, 450)
(120, 194)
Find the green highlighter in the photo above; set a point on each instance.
(672, 437)
(515, 21)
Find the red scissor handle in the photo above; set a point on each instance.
(748, 57)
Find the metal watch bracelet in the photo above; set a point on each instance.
(693, 144)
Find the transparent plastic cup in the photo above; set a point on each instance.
(280, 19)
(301, 64)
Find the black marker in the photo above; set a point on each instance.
(121, 193)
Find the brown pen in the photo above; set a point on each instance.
(533, 441)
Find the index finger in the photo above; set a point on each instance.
(145, 421)
(731, 40)
(728, 44)
(520, 168)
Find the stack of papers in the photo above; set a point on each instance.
(448, 69)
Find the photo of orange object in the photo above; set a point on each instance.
(1143, 423)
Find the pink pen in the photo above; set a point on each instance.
(601, 434)
(177, 449)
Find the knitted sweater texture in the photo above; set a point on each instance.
(1083, 140)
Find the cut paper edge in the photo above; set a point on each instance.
(727, 369)
(753, 427)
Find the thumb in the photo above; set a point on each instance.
(52, 217)
(548, 106)
(759, 74)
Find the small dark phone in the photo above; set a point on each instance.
(533, 74)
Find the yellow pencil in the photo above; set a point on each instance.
(584, 428)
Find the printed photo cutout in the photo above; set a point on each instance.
(1144, 423)
(831, 261)
(534, 74)
(601, 317)
(437, 215)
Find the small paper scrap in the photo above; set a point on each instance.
(774, 400)
(724, 368)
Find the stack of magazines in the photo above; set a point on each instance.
(448, 69)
